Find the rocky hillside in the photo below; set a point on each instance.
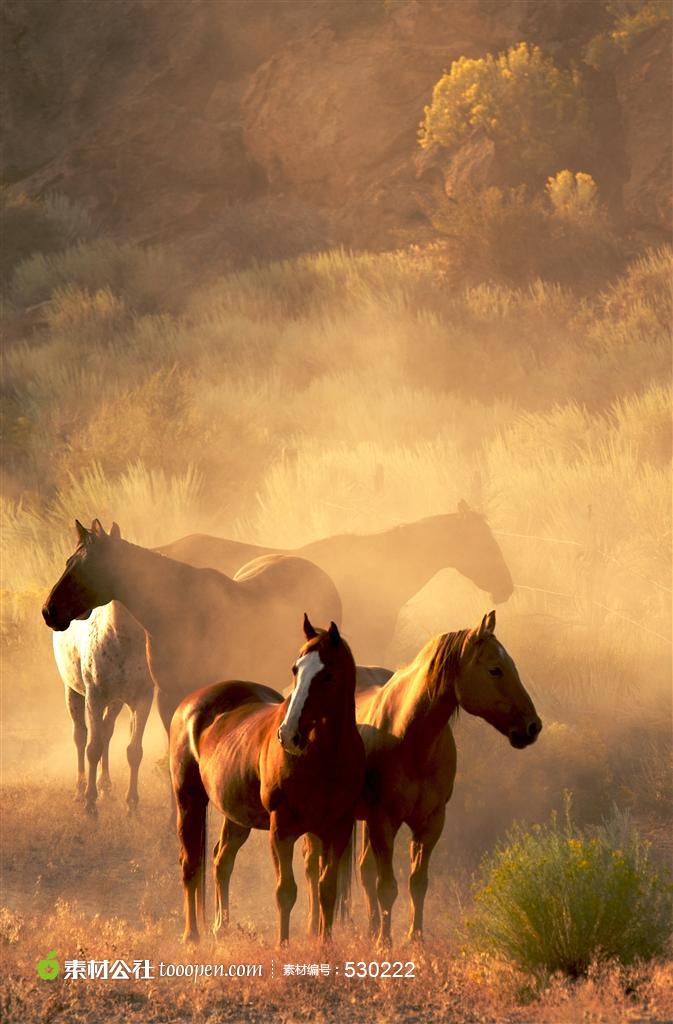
(195, 117)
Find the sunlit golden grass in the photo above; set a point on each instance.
(112, 891)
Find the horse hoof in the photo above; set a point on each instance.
(191, 938)
(91, 811)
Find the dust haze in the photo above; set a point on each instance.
(241, 300)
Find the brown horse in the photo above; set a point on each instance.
(411, 755)
(376, 574)
(187, 611)
(290, 766)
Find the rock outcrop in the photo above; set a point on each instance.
(160, 118)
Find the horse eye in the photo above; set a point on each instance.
(327, 677)
(294, 670)
(495, 671)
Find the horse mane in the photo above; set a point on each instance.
(440, 656)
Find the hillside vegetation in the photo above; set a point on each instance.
(274, 348)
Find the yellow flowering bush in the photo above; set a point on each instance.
(555, 899)
(534, 111)
(573, 197)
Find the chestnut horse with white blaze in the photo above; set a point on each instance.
(411, 755)
(288, 766)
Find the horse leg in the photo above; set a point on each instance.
(282, 846)
(192, 807)
(330, 860)
(422, 844)
(94, 749)
(109, 718)
(231, 840)
(382, 836)
(368, 877)
(134, 751)
(166, 706)
(312, 870)
(76, 708)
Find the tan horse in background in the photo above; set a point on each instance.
(290, 766)
(377, 573)
(411, 755)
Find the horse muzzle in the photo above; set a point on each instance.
(291, 744)
(524, 737)
(53, 621)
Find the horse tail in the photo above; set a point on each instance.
(345, 879)
(191, 802)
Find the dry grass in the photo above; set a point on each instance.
(112, 891)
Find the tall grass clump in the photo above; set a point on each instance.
(558, 899)
(32, 225)
(148, 279)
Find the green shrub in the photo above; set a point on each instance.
(533, 111)
(556, 899)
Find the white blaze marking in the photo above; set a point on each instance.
(308, 667)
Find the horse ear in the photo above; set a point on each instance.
(309, 631)
(82, 532)
(97, 529)
(115, 531)
(333, 634)
(463, 507)
(487, 624)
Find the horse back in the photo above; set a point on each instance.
(198, 711)
(297, 584)
(203, 551)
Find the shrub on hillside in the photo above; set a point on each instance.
(557, 899)
(534, 111)
(39, 225)
(147, 280)
(509, 235)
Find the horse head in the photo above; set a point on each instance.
(324, 687)
(479, 557)
(488, 685)
(85, 583)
